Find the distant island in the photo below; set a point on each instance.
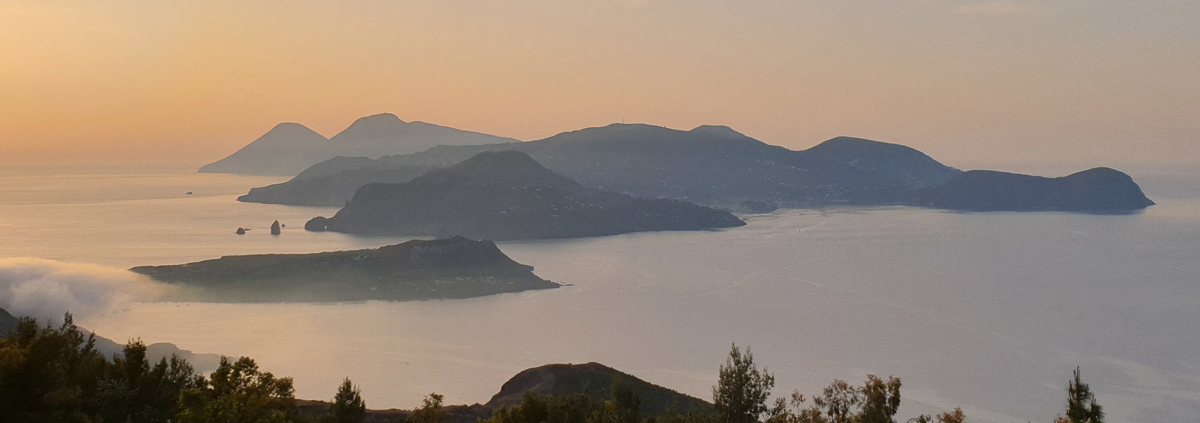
(1094, 190)
(708, 165)
(289, 148)
(506, 195)
(415, 270)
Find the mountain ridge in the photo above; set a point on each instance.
(507, 195)
(290, 148)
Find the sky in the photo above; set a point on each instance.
(975, 84)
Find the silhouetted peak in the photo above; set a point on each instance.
(720, 130)
(506, 161)
(381, 118)
(844, 142)
(1099, 172)
(291, 129)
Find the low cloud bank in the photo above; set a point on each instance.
(45, 289)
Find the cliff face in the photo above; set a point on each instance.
(507, 195)
(444, 268)
(1099, 190)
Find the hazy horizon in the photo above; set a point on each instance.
(972, 84)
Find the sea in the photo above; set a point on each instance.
(990, 312)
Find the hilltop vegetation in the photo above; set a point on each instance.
(52, 374)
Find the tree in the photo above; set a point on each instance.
(626, 406)
(880, 400)
(740, 395)
(430, 411)
(348, 405)
(237, 392)
(875, 402)
(1081, 403)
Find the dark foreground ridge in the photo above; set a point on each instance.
(507, 195)
(7, 322)
(108, 347)
(415, 270)
(1099, 190)
(595, 381)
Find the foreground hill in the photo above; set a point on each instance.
(290, 147)
(595, 381)
(109, 348)
(1094, 190)
(507, 195)
(415, 270)
(8, 322)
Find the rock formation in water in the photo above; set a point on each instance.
(415, 270)
(506, 195)
(275, 228)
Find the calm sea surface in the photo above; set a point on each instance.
(988, 311)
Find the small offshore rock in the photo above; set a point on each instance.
(316, 224)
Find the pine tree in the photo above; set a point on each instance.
(348, 405)
(1081, 403)
(742, 389)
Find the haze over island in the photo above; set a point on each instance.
(948, 191)
(1054, 86)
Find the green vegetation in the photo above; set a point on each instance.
(55, 374)
(348, 405)
(742, 390)
(1081, 404)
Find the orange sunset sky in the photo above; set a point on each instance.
(972, 83)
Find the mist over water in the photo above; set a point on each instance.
(988, 311)
(46, 289)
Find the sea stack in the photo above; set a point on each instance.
(275, 228)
